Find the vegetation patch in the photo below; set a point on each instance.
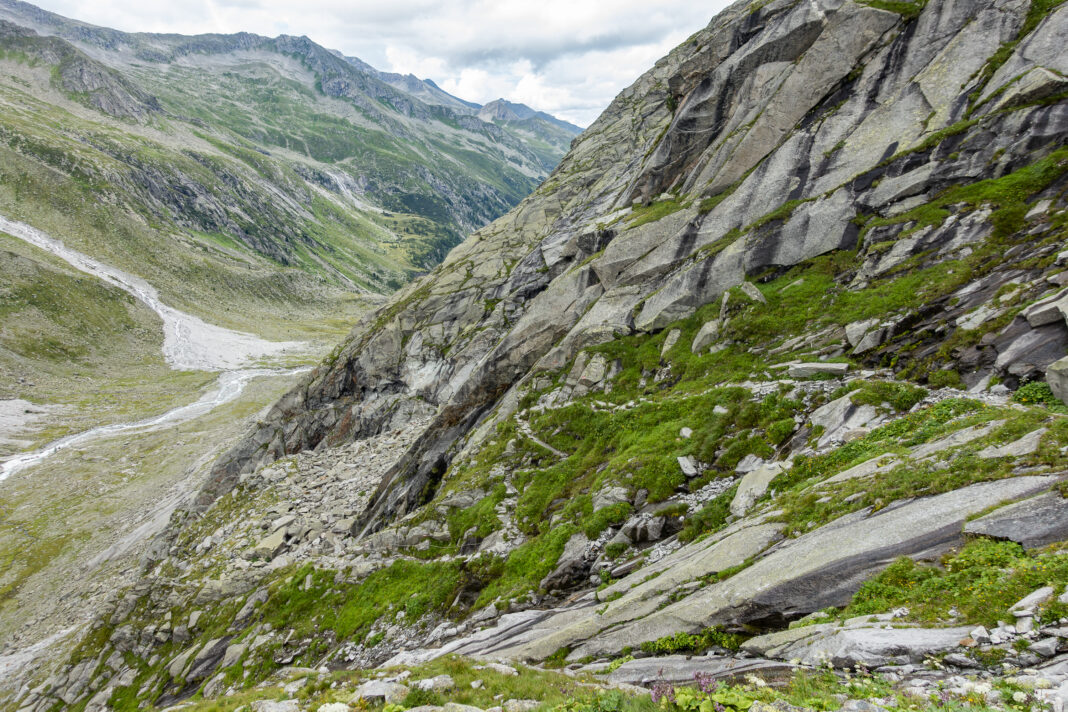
(980, 582)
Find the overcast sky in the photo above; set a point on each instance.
(567, 57)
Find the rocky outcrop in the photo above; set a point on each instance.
(787, 143)
(817, 570)
(1033, 523)
(796, 119)
(102, 88)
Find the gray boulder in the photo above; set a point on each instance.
(610, 496)
(1032, 523)
(706, 336)
(380, 691)
(440, 683)
(572, 566)
(753, 486)
(1057, 378)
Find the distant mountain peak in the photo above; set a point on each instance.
(504, 110)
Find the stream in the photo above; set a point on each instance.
(189, 343)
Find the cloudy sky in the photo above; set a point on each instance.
(567, 57)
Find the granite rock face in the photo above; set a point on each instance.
(1032, 523)
(795, 117)
(824, 132)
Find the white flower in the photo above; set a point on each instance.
(1019, 697)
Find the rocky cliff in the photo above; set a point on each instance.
(778, 134)
(770, 346)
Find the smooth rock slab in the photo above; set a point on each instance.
(822, 568)
(1032, 523)
(807, 370)
(876, 465)
(682, 668)
(840, 416)
(847, 647)
(956, 439)
(753, 486)
(1026, 445)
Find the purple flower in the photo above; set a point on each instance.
(662, 689)
(705, 683)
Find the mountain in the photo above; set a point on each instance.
(504, 110)
(324, 164)
(537, 127)
(266, 185)
(764, 384)
(185, 222)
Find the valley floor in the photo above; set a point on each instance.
(99, 452)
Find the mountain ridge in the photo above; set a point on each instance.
(765, 382)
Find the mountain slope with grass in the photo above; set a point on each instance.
(266, 185)
(757, 402)
(271, 151)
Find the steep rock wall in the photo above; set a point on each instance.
(760, 141)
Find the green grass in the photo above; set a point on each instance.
(1039, 393)
(980, 582)
(890, 396)
(804, 506)
(525, 566)
(696, 643)
(710, 518)
(644, 214)
(1036, 12)
(350, 610)
(908, 9)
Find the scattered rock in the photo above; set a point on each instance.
(441, 683)
(379, 691)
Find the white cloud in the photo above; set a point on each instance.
(567, 57)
